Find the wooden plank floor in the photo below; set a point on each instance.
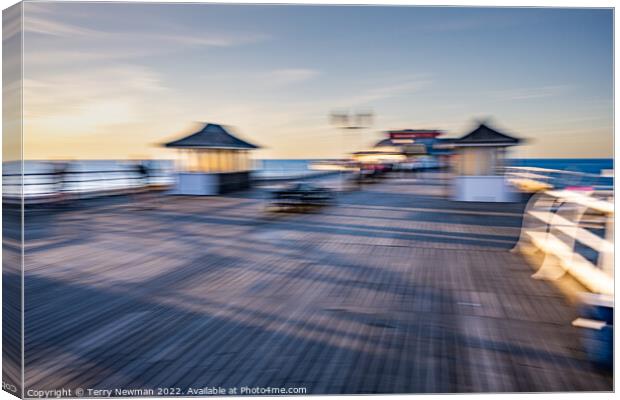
(11, 300)
(393, 290)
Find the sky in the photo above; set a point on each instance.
(115, 80)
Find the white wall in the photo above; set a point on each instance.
(196, 183)
(483, 188)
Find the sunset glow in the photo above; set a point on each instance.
(112, 81)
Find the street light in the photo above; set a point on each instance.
(350, 122)
(344, 120)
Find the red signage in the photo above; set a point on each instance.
(411, 134)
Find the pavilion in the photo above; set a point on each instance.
(212, 161)
(479, 162)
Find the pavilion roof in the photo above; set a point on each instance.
(212, 136)
(485, 136)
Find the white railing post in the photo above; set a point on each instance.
(606, 258)
(552, 268)
(538, 202)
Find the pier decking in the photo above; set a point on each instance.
(393, 290)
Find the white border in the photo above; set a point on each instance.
(477, 3)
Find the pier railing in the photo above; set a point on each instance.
(50, 185)
(535, 179)
(574, 231)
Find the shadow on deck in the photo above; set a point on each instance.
(393, 290)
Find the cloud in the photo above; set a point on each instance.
(53, 41)
(51, 27)
(48, 25)
(291, 75)
(209, 40)
(52, 58)
(88, 99)
(531, 93)
(494, 19)
(401, 87)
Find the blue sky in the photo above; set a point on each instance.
(113, 80)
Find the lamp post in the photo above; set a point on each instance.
(350, 123)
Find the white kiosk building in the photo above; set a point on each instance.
(479, 158)
(212, 161)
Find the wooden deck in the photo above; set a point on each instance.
(393, 290)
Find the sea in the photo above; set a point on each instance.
(96, 175)
(584, 165)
